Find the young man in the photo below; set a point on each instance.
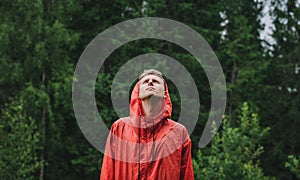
(148, 145)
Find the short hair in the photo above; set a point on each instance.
(152, 72)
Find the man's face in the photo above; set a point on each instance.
(151, 85)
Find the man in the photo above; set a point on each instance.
(148, 145)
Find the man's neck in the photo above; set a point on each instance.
(151, 106)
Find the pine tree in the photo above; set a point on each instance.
(235, 150)
(281, 107)
(36, 74)
(241, 53)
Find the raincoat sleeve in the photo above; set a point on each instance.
(186, 170)
(108, 163)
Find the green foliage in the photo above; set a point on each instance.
(19, 143)
(86, 160)
(293, 164)
(235, 150)
(280, 102)
(241, 54)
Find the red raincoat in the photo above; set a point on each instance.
(147, 148)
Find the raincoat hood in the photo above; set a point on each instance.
(136, 109)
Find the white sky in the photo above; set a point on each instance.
(267, 20)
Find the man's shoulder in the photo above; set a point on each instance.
(120, 122)
(178, 130)
(176, 125)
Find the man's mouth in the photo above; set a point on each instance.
(150, 89)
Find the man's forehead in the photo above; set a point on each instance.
(154, 76)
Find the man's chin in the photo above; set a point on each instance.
(152, 96)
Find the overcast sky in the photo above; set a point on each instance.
(267, 20)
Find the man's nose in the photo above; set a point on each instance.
(150, 82)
